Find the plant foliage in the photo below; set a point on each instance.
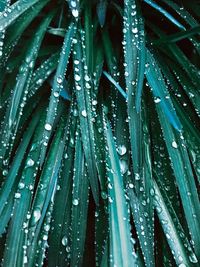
(100, 133)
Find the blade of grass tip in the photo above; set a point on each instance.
(6, 189)
(182, 12)
(178, 154)
(83, 95)
(169, 229)
(20, 91)
(173, 38)
(57, 31)
(65, 90)
(141, 60)
(165, 13)
(160, 91)
(88, 26)
(80, 200)
(109, 77)
(15, 10)
(131, 45)
(14, 252)
(122, 250)
(57, 87)
(101, 11)
(45, 192)
(188, 18)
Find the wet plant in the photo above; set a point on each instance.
(100, 133)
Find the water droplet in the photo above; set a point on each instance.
(75, 13)
(123, 166)
(56, 94)
(59, 80)
(45, 237)
(103, 195)
(134, 30)
(76, 62)
(182, 265)
(21, 185)
(174, 144)
(77, 77)
(17, 195)
(94, 102)
(121, 150)
(5, 172)
(152, 192)
(37, 214)
(30, 162)
(157, 100)
(64, 241)
(193, 258)
(137, 177)
(130, 185)
(48, 127)
(84, 113)
(75, 202)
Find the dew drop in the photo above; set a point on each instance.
(130, 185)
(94, 102)
(123, 166)
(45, 237)
(75, 13)
(37, 214)
(77, 77)
(48, 127)
(121, 150)
(193, 258)
(17, 195)
(75, 202)
(56, 94)
(21, 185)
(134, 30)
(30, 162)
(157, 100)
(174, 144)
(76, 62)
(5, 172)
(64, 241)
(59, 80)
(84, 113)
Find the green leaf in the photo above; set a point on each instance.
(120, 236)
(16, 9)
(57, 87)
(82, 84)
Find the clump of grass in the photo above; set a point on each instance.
(99, 155)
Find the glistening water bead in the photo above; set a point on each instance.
(48, 127)
(75, 202)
